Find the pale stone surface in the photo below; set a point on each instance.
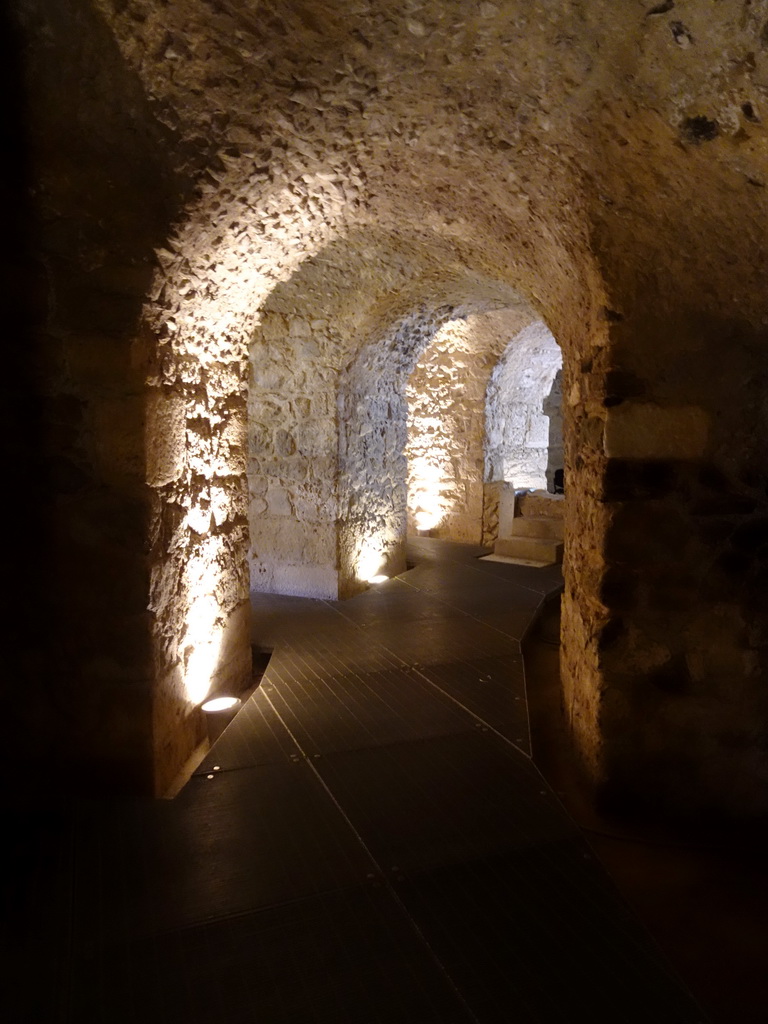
(517, 435)
(541, 504)
(507, 510)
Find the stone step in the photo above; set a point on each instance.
(537, 526)
(541, 503)
(538, 549)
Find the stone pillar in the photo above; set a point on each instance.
(81, 705)
(665, 615)
(446, 425)
(195, 441)
(293, 460)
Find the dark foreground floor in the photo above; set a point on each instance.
(368, 842)
(700, 886)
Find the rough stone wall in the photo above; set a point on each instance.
(446, 424)
(445, 438)
(373, 420)
(517, 428)
(286, 171)
(673, 618)
(607, 162)
(373, 417)
(198, 594)
(329, 364)
(673, 639)
(491, 506)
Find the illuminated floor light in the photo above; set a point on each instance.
(220, 704)
(378, 578)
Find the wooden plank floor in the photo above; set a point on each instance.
(367, 842)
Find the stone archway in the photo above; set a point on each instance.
(481, 417)
(521, 445)
(638, 238)
(388, 461)
(331, 347)
(446, 430)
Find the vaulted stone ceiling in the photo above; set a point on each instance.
(635, 122)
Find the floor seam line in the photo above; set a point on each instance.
(384, 876)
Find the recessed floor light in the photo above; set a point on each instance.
(220, 704)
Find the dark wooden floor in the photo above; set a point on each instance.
(367, 842)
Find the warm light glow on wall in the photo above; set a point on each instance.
(426, 520)
(425, 497)
(371, 558)
(203, 635)
(215, 271)
(201, 662)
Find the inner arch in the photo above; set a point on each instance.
(524, 434)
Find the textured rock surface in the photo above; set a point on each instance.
(287, 199)
(447, 423)
(552, 407)
(517, 428)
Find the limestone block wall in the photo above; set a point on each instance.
(517, 432)
(198, 591)
(326, 391)
(444, 449)
(293, 457)
(664, 632)
(327, 407)
(242, 235)
(292, 134)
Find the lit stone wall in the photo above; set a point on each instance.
(327, 407)
(285, 174)
(293, 458)
(591, 157)
(203, 321)
(373, 418)
(387, 394)
(216, 273)
(446, 424)
(517, 438)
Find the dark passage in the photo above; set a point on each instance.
(368, 842)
